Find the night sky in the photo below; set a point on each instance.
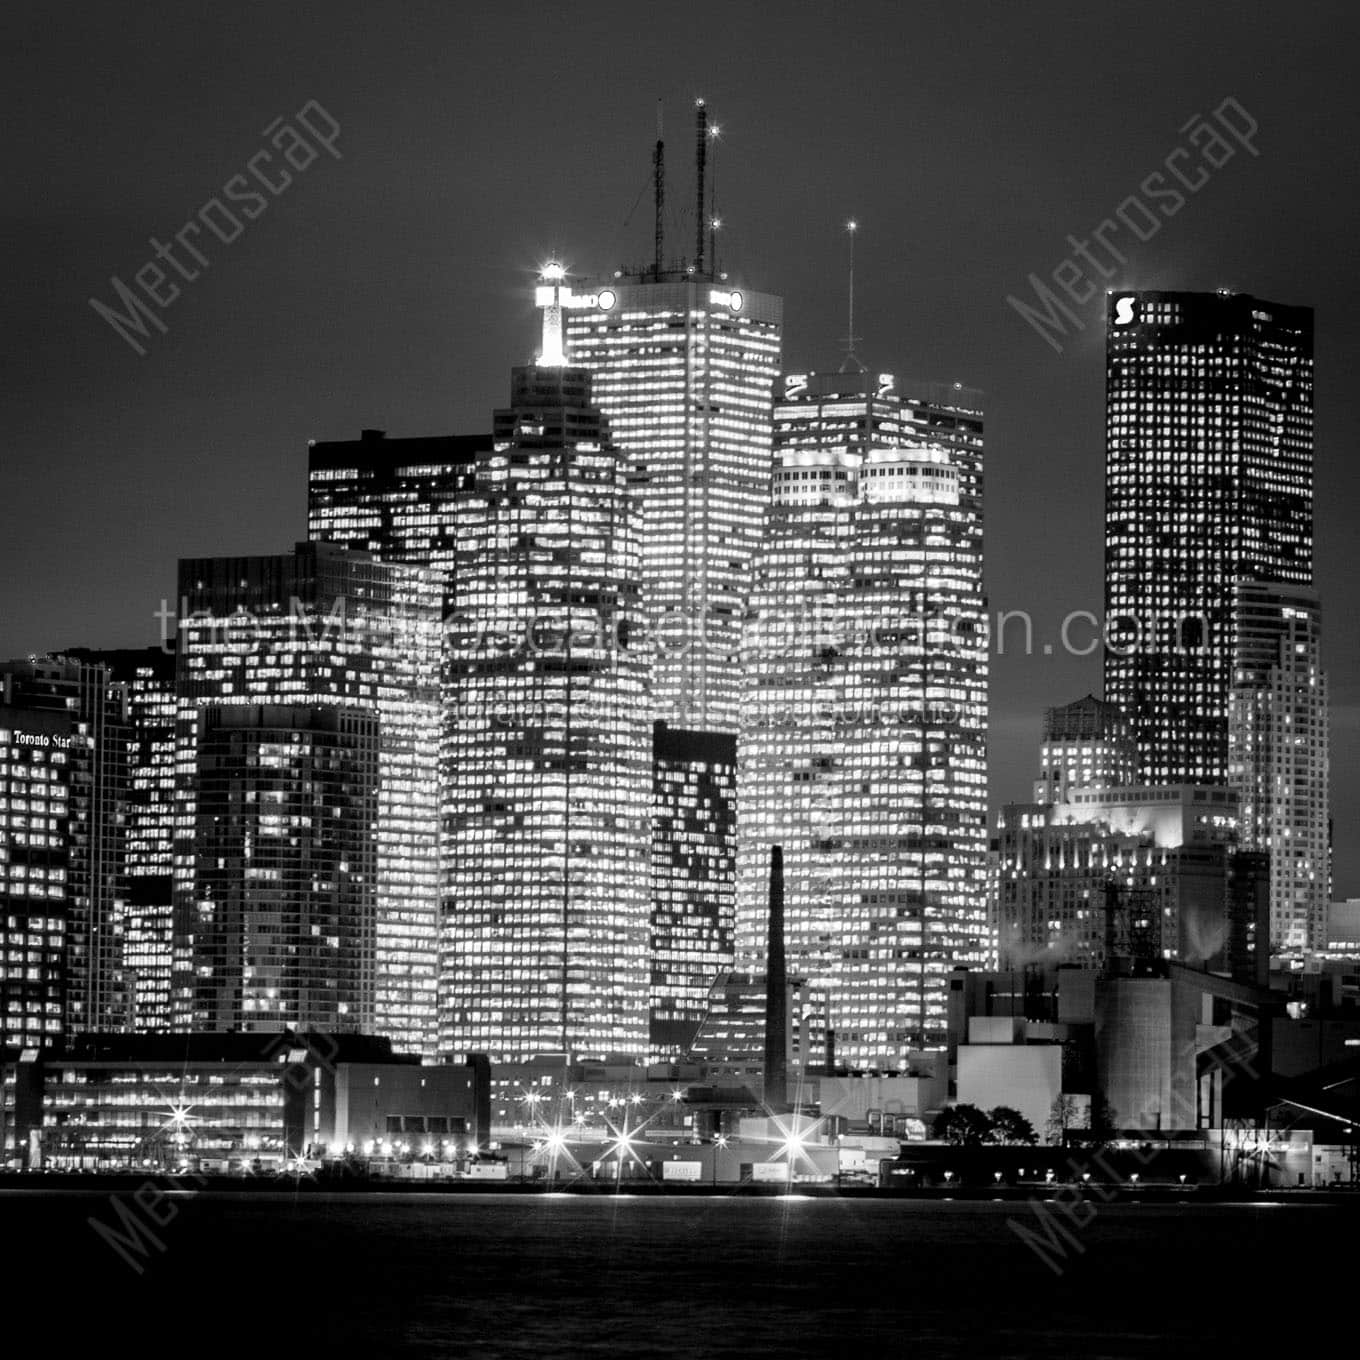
(392, 287)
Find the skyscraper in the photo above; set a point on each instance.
(35, 868)
(148, 675)
(285, 869)
(62, 844)
(322, 627)
(863, 740)
(682, 364)
(547, 776)
(393, 498)
(1208, 480)
(694, 889)
(1278, 753)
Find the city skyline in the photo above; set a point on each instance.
(408, 311)
(680, 679)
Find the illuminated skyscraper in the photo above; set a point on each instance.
(148, 675)
(35, 870)
(62, 847)
(393, 498)
(547, 780)
(863, 739)
(285, 869)
(324, 628)
(1208, 480)
(694, 889)
(1278, 753)
(682, 364)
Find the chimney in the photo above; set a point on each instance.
(776, 991)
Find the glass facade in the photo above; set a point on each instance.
(547, 773)
(863, 739)
(1208, 480)
(1278, 753)
(148, 674)
(325, 628)
(285, 869)
(683, 366)
(393, 498)
(84, 824)
(35, 857)
(694, 808)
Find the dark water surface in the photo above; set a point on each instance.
(566, 1276)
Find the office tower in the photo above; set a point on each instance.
(35, 868)
(547, 778)
(1085, 743)
(682, 364)
(63, 845)
(1209, 480)
(863, 741)
(1140, 872)
(393, 498)
(148, 675)
(285, 868)
(1278, 753)
(694, 890)
(322, 627)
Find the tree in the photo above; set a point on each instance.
(1067, 1112)
(1010, 1126)
(962, 1125)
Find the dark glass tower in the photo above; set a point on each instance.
(694, 891)
(393, 498)
(1209, 481)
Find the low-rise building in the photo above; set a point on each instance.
(234, 1102)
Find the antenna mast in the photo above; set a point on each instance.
(851, 227)
(714, 221)
(700, 156)
(659, 188)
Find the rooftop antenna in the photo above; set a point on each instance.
(714, 221)
(700, 156)
(851, 227)
(659, 187)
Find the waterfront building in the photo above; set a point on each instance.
(62, 849)
(237, 1103)
(324, 628)
(863, 740)
(285, 869)
(547, 753)
(148, 675)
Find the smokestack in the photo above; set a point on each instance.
(700, 157)
(776, 991)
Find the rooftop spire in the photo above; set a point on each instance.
(851, 358)
(551, 282)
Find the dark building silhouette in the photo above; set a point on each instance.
(693, 878)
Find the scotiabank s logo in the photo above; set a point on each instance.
(1123, 311)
